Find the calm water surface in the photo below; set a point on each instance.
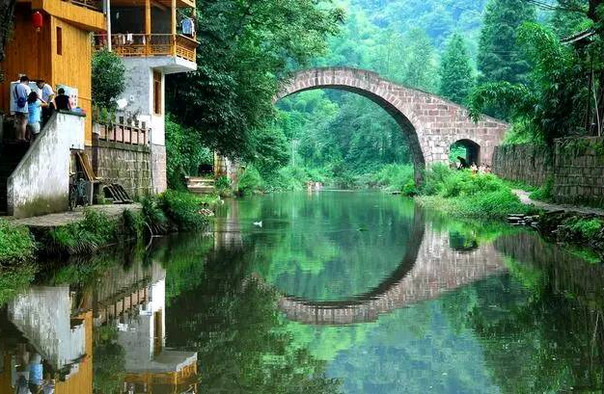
(312, 293)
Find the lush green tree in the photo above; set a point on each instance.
(569, 17)
(185, 153)
(553, 104)
(108, 73)
(456, 73)
(420, 69)
(245, 46)
(499, 58)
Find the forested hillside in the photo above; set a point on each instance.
(345, 137)
(517, 60)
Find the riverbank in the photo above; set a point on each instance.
(569, 224)
(87, 230)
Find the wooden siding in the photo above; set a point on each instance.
(35, 54)
(83, 18)
(73, 67)
(81, 382)
(26, 53)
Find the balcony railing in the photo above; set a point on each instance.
(131, 45)
(125, 134)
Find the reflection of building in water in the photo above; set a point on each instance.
(150, 367)
(57, 323)
(41, 322)
(227, 228)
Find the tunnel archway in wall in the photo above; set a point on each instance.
(432, 124)
(467, 149)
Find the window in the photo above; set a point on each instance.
(157, 93)
(59, 41)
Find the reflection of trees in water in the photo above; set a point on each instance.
(109, 361)
(544, 331)
(331, 246)
(243, 344)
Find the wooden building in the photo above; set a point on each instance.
(60, 52)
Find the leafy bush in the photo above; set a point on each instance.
(545, 192)
(394, 176)
(182, 209)
(154, 216)
(462, 193)
(185, 153)
(133, 223)
(223, 183)
(86, 236)
(16, 244)
(585, 228)
(249, 182)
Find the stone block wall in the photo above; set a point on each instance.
(579, 171)
(526, 163)
(128, 165)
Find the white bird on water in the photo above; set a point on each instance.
(258, 224)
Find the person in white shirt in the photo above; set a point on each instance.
(47, 95)
(21, 93)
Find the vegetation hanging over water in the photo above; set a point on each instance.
(462, 193)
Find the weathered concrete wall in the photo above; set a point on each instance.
(579, 170)
(128, 165)
(158, 168)
(527, 163)
(40, 184)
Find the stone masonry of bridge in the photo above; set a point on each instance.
(437, 269)
(431, 123)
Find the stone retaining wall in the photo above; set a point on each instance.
(577, 168)
(128, 165)
(527, 163)
(579, 171)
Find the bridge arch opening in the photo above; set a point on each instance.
(404, 120)
(466, 149)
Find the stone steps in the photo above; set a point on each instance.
(200, 185)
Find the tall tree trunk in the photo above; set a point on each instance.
(7, 8)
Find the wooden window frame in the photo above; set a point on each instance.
(59, 40)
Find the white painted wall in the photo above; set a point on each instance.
(40, 183)
(43, 314)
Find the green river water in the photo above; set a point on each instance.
(332, 292)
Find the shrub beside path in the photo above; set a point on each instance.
(549, 207)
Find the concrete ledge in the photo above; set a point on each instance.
(62, 219)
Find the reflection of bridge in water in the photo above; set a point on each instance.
(430, 268)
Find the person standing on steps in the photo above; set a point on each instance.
(47, 95)
(34, 106)
(21, 93)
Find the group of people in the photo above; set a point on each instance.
(29, 373)
(33, 108)
(462, 164)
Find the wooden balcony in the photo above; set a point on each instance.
(145, 45)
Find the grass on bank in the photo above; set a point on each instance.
(463, 194)
(16, 244)
(168, 212)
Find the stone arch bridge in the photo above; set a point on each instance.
(430, 268)
(431, 123)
